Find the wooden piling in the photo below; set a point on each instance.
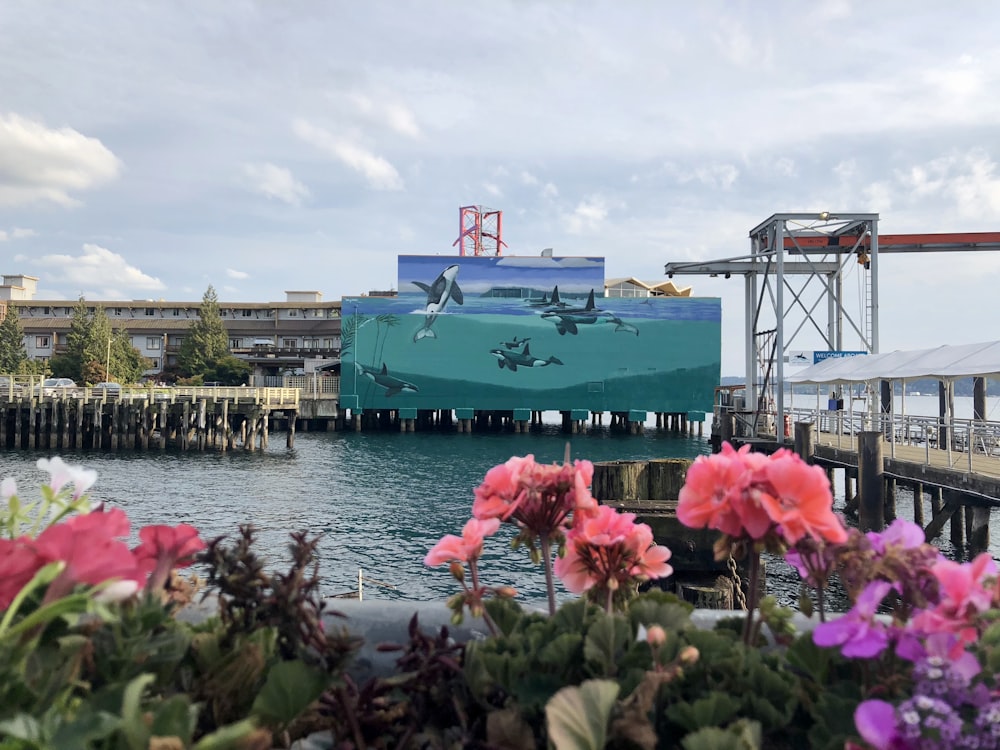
(890, 499)
(918, 504)
(804, 441)
(957, 526)
(979, 536)
(870, 484)
(621, 480)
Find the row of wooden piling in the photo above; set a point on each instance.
(100, 424)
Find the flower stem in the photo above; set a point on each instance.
(753, 595)
(550, 585)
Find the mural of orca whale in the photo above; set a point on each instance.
(383, 379)
(513, 359)
(439, 294)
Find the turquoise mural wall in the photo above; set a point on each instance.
(478, 333)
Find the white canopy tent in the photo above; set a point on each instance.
(941, 363)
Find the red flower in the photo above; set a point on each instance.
(90, 547)
(164, 548)
(18, 565)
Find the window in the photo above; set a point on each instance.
(310, 343)
(177, 312)
(247, 313)
(156, 364)
(317, 313)
(293, 313)
(45, 311)
(290, 343)
(328, 343)
(153, 342)
(150, 312)
(42, 342)
(235, 343)
(118, 311)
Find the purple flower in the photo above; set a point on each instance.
(900, 533)
(858, 633)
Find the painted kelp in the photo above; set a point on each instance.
(526, 333)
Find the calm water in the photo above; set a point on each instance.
(380, 500)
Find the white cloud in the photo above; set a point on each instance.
(493, 189)
(392, 114)
(275, 182)
(378, 172)
(234, 274)
(550, 191)
(41, 164)
(16, 234)
(587, 216)
(98, 272)
(528, 179)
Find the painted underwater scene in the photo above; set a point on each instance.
(442, 348)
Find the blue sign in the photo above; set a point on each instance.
(820, 356)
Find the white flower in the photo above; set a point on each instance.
(8, 488)
(118, 591)
(62, 474)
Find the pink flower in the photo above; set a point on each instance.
(963, 595)
(164, 548)
(607, 551)
(539, 498)
(463, 548)
(799, 500)
(746, 494)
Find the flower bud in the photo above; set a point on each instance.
(656, 635)
(457, 571)
(688, 655)
(506, 592)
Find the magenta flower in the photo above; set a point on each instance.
(966, 590)
(164, 548)
(858, 633)
(876, 723)
(465, 548)
(901, 534)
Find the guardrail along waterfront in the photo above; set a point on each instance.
(189, 418)
(951, 466)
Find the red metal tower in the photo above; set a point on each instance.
(480, 231)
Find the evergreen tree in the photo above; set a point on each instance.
(127, 364)
(12, 352)
(207, 341)
(70, 363)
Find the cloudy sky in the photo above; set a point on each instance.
(150, 148)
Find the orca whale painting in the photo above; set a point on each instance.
(502, 333)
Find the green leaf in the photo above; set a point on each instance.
(290, 688)
(229, 737)
(136, 732)
(22, 727)
(577, 717)
(714, 710)
(605, 643)
(506, 614)
(743, 735)
(175, 717)
(88, 730)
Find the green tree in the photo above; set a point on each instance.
(206, 341)
(229, 370)
(12, 352)
(70, 363)
(127, 364)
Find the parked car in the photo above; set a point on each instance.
(107, 389)
(55, 387)
(6, 387)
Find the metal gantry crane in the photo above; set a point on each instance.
(794, 284)
(480, 231)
